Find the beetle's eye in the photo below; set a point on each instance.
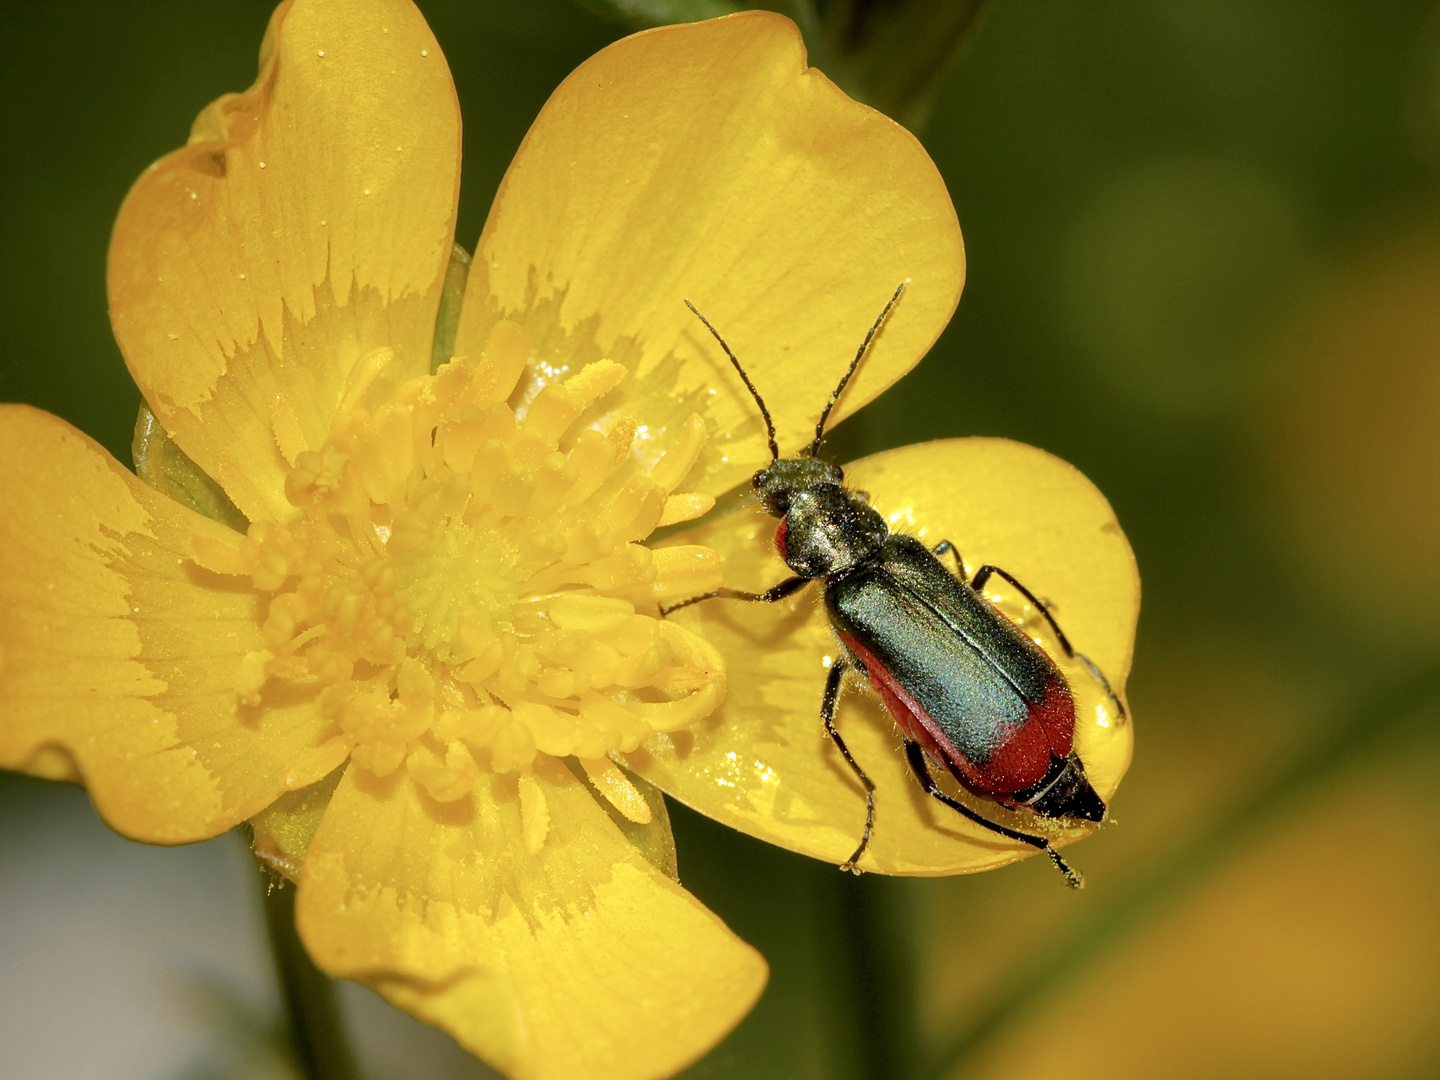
(757, 479)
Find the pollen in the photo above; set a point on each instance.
(461, 590)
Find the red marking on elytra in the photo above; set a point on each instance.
(1057, 716)
(1019, 762)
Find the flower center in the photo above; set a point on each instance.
(458, 577)
(462, 589)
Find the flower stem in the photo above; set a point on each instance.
(317, 1030)
(874, 912)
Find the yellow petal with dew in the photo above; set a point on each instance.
(573, 957)
(706, 162)
(120, 655)
(306, 224)
(762, 762)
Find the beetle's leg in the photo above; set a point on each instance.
(827, 715)
(1094, 670)
(945, 547)
(983, 575)
(769, 596)
(916, 757)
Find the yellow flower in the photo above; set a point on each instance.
(417, 661)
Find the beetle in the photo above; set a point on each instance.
(970, 691)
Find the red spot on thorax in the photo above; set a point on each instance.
(780, 537)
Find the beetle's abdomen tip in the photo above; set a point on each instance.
(1071, 795)
(1085, 804)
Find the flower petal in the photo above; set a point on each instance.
(118, 655)
(281, 833)
(308, 221)
(573, 958)
(762, 762)
(706, 162)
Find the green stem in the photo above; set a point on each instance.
(317, 1030)
(1389, 713)
(874, 914)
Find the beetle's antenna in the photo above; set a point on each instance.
(769, 424)
(864, 348)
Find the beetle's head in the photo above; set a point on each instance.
(778, 485)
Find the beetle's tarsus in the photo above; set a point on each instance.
(1073, 878)
(853, 862)
(1099, 675)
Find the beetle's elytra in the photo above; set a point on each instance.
(969, 690)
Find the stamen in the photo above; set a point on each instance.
(362, 376)
(465, 591)
(686, 507)
(617, 789)
(677, 462)
(214, 555)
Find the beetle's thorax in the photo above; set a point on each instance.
(825, 529)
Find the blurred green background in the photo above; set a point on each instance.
(1204, 266)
